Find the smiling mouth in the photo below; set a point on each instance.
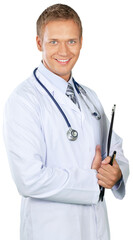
(63, 61)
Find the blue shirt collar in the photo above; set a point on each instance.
(54, 79)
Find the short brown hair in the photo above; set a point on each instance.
(57, 12)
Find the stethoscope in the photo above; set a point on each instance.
(72, 134)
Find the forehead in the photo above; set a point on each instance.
(61, 28)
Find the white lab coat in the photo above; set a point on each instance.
(59, 189)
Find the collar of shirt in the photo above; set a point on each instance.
(57, 81)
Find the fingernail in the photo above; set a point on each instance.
(98, 147)
(104, 161)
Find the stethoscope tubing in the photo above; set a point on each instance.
(56, 103)
(96, 113)
(77, 87)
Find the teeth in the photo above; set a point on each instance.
(62, 60)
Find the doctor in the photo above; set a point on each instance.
(59, 178)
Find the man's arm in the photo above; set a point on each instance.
(27, 153)
(116, 145)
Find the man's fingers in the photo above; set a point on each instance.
(97, 158)
(115, 164)
(106, 160)
(98, 149)
(104, 172)
(98, 152)
(103, 184)
(105, 180)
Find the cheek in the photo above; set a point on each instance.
(76, 52)
(47, 51)
(76, 55)
(47, 56)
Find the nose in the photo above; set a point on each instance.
(63, 49)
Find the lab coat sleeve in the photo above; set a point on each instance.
(27, 152)
(119, 189)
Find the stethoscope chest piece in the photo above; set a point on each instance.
(72, 134)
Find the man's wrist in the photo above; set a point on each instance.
(118, 184)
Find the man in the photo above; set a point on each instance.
(59, 178)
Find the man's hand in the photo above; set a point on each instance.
(96, 164)
(108, 175)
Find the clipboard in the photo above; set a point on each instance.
(102, 189)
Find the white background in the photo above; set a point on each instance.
(105, 65)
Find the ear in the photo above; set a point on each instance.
(81, 42)
(39, 43)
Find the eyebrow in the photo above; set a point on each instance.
(56, 39)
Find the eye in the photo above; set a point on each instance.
(72, 41)
(53, 42)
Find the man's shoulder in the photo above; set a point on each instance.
(25, 92)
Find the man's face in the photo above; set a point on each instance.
(60, 46)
